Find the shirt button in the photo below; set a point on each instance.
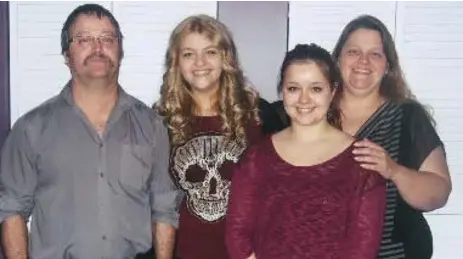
(104, 237)
(101, 174)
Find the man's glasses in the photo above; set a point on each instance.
(89, 41)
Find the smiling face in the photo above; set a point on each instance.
(200, 63)
(94, 51)
(362, 62)
(307, 93)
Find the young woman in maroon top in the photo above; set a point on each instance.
(212, 117)
(300, 193)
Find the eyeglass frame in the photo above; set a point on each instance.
(96, 39)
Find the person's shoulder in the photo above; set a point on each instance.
(261, 146)
(147, 118)
(264, 105)
(41, 113)
(275, 117)
(416, 112)
(365, 178)
(138, 104)
(277, 104)
(264, 147)
(31, 125)
(370, 179)
(144, 110)
(412, 106)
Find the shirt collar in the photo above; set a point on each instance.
(124, 100)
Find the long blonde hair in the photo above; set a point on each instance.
(236, 102)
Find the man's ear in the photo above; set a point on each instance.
(66, 58)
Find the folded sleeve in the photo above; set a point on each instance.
(419, 136)
(18, 176)
(242, 207)
(165, 196)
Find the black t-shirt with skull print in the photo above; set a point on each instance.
(202, 167)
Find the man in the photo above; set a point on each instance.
(91, 164)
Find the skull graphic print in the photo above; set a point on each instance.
(206, 191)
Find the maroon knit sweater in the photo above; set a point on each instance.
(332, 210)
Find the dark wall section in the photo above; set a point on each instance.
(4, 72)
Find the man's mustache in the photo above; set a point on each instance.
(97, 56)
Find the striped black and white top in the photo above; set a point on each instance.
(405, 131)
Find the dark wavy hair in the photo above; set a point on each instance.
(89, 9)
(322, 58)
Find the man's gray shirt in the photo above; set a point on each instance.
(90, 197)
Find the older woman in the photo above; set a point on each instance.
(400, 142)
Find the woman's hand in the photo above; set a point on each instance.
(425, 189)
(373, 157)
(253, 256)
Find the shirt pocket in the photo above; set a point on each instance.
(136, 164)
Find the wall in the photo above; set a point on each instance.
(260, 33)
(4, 72)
